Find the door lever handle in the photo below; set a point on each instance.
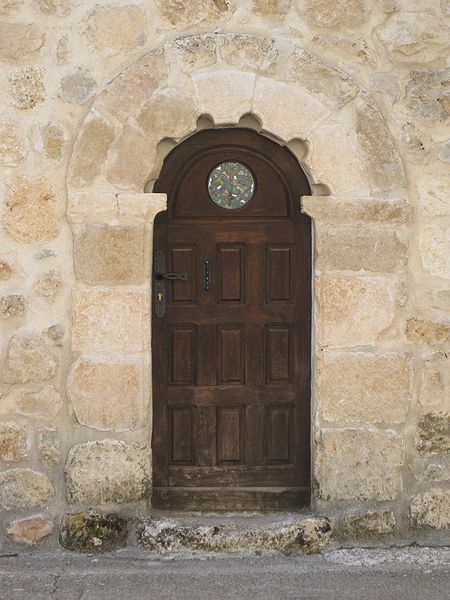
(182, 276)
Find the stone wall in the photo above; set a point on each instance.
(93, 97)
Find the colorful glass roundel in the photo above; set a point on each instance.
(231, 185)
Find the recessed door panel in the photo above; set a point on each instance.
(231, 273)
(181, 434)
(183, 355)
(279, 431)
(230, 430)
(279, 273)
(183, 259)
(279, 353)
(231, 354)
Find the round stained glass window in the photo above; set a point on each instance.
(231, 185)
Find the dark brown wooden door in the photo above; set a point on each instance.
(231, 354)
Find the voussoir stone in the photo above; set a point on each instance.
(431, 509)
(30, 531)
(108, 471)
(24, 488)
(194, 52)
(353, 310)
(359, 464)
(28, 359)
(119, 28)
(13, 441)
(433, 433)
(358, 386)
(168, 114)
(45, 403)
(107, 395)
(19, 41)
(248, 51)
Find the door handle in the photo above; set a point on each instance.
(182, 276)
(206, 275)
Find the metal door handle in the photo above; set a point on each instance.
(182, 276)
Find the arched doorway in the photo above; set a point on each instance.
(231, 326)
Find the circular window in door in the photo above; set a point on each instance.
(231, 185)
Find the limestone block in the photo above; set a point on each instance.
(225, 95)
(194, 52)
(431, 509)
(418, 146)
(8, 6)
(333, 210)
(334, 159)
(12, 147)
(49, 286)
(63, 51)
(117, 28)
(30, 531)
(359, 464)
(327, 13)
(44, 403)
(108, 395)
(352, 249)
(412, 37)
(433, 196)
(445, 7)
(444, 152)
(143, 207)
(427, 94)
(287, 110)
(59, 8)
(433, 433)
(49, 447)
(13, 441)
(134, 159)
(91, 150)
(191, 13)
(435, 381)
(108, 471)
(169, 113)
(250, 52)
(433, 332)
(433, 472)
(370, 524)
(24, 488)
(94, 533)
(387, 84)
(53, 141)
(20, 41)
(97, 207)
(110, 320)
(112, 254)
(78, 87)
(27, 88)
(352, 310)
(435, 250)
(30, 214)
(358, 386)
(12, 305)
(5, 270)
(28, 359)
(271, 8)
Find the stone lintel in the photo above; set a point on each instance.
(347, 210)
(109, 207)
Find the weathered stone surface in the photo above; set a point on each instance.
(12, 148)
(141, 207)
(435, 381)
(444, 152)
(110, 320)
(433, 197)
(358, 386)
(13, 441)
(114, 255)
(445, 7)
(249, 52)
(30, 531)
(413, 37)
(370, 524)
(327, 13)
(5, 270)
(55, 333)
(27, 88)
(19, 41)
(8, 6)
(353, 249)
(435, 250)
(418, 146)
(433, 433)
(433, 472)
(78, 87)
(333, 210)
(427, 94)
(117, 28)
(91, 150)
(359, 464)
(94, 533)
(12, 305)
(431, 509)
(272, 8)
(169, 113)
(107, 395)
(30, 212)
(53, 141)
(193, 12)
(134, 159)
(308, 536)
(45, 403)
(49, 286)
(28, 359)
(287, 110)
(63, 51)
(96, 207)
(387, 84)
(24, 488)
(49, 447)
(107, 471)
(59, 8)
(429, 332)
(352, 310)
(194, 52)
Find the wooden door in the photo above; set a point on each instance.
(231, 353)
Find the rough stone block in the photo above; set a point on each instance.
(427, 94)
(352, 310)
(5, 270)
(435, 381)
(169, 113)
(12, 146)
(93, 533)
(49, 447)
(141, 206)
(109, 471)
(431, 509)
(370, 524)
(435, 250)
(19, 41)
(24, 488)
(30, 531)
(95, 207)
(191, 13)
(44, 403)
(49, 286)
(433, 433)
(334, 210)
(28, 359)
(359, 464)
(12, 305)
(193, 52)
(358, 386)
(117, 28)
(328, 13)
(13, 441)
(427, 331)
(27, 88)
(108, 395)
(110, 320)
(78, 87)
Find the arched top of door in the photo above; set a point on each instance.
(234, 174)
